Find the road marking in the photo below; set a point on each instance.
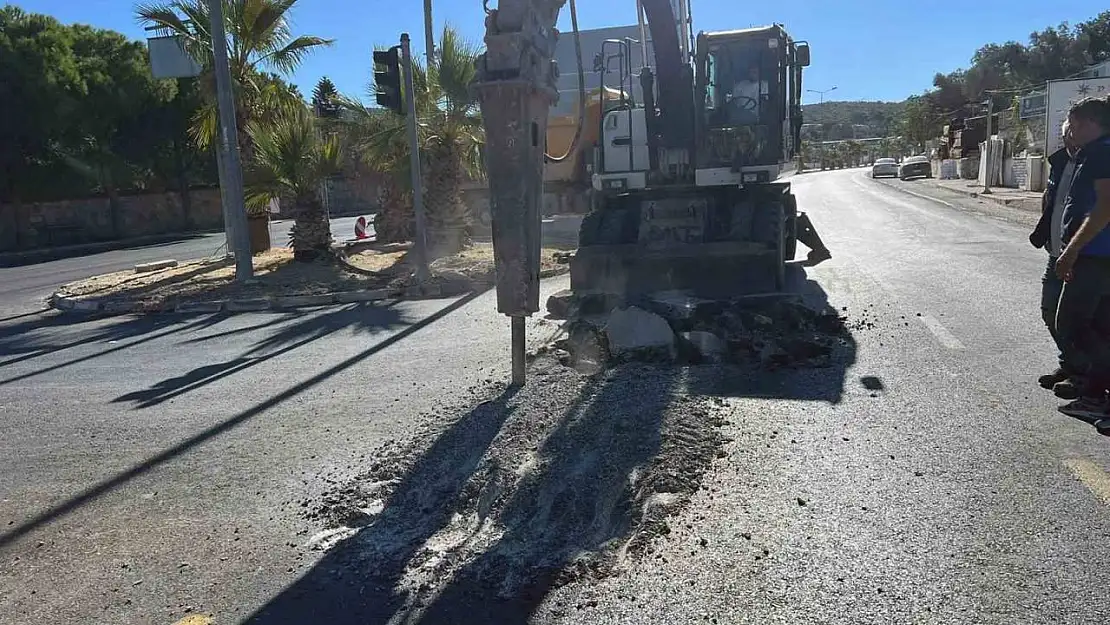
(1092, 476)
(195, 619)
(945, 337)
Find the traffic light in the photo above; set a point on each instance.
(387, 79)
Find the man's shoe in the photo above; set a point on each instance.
(1068, 389)
(1052, 379)
(1090, 409)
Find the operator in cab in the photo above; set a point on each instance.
(747, 96)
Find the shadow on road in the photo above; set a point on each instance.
(582, 497)
(100, 488)
(24, 338)
(368, 318)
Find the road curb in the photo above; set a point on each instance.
(65, 303)
(1014, 203)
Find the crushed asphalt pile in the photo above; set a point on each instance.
(770, 332)
(563, 479)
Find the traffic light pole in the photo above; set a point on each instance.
(420, 242)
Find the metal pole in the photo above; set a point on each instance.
(419, 245)
(987, 149)
(518, 350)
(232, 171)
(429, 39)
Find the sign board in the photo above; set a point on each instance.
(1062, 94)
(1033, 105)
(168, 59)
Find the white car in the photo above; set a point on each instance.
(884, 167)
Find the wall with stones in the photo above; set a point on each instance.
(87, 220)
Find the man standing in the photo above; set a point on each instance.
(1049, 235)
(1084, 261)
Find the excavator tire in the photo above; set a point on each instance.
(769, 227)
(791, 230)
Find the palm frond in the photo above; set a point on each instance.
(288, 57)
(455, 71)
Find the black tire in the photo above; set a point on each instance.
(769, 228)
(790, 232)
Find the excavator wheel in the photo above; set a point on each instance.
(791, 230)
(770, 228)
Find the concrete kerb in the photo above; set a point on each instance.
(1025, 204)
(66, 303)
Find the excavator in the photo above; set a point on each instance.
(689, 188)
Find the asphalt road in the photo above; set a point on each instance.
(151, 468)
(26, 288)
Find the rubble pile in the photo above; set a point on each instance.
(768, 331)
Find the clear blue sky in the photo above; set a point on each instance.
(870, 50)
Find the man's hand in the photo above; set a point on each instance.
(1066, 263)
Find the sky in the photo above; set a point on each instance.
(868, 50)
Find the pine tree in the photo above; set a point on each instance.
(325, 99)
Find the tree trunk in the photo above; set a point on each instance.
(394, 222)
(311, 231)
(449, 218)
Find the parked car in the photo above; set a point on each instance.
(914, 167)
(884, 167)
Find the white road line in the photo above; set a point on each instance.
(945, 337)
(1092, 476)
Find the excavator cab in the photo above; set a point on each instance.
(749, 84)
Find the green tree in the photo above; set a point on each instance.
(451, 139)
(920, 122)
(82, 113)
(260, 41)
(325, 99)
(292, 160)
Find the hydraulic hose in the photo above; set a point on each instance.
(581, 90)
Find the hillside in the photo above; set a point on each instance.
(837, 118)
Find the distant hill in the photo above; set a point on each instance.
(871, 119)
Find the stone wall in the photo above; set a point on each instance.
(89, 220)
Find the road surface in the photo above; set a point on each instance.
(154, 468)
(26, 288)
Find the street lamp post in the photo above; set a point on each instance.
(822, 93)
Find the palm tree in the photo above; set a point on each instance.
(292, 160)
(453, 146)
(450, 140)
(376, 137)
(259, 40)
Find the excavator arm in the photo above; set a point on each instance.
(673, 76)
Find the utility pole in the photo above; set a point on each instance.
(429, 37)
(987, 148)
(231, 174)
(420, 245)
